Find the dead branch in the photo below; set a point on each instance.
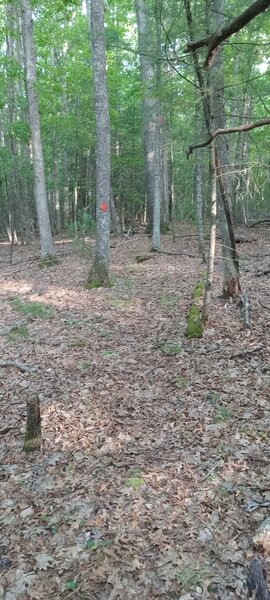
(261, 273)
(228, 130)
(123, 242)
(215, 39)
(178, 254)
(245, 353)
(264, 305)
(244, 300)
(15, 363)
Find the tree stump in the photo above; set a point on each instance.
(32, 438)
(256, 581)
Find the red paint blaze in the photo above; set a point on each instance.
(104, 207)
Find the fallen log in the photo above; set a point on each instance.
(15, 363)
(259, 222)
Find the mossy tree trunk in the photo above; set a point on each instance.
(33, 438)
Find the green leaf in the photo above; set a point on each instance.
(71, 585)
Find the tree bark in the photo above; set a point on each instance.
(46, 240)
(212, 245)
(99, 273)
(151, 121)
(231, 284)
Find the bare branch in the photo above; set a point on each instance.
(239, 129)
(216, 38)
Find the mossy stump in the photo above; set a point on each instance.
(143, 257)
(33, 437)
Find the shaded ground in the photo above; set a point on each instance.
(155, 470)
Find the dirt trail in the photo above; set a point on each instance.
(154, 471)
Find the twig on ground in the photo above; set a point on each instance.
(15, 363)
(178, 254)
(245, 352)
(123, 242)
(261, 273)
(244, 300)
(263, 305)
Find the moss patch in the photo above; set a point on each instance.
(199, 290)
(194, 323)
(135, 482)
(32, 309)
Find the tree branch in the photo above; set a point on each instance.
(239, 129)
(216, 38)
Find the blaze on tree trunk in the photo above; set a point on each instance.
(45, 232)
(99, 273)
(32, 438)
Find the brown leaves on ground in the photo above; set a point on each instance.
(154, 472)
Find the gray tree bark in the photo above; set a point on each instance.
(99, 273)
(230, 271)
(151, 123)
(45, 232)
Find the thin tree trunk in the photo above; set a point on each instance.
(45, 232)
(99, 273)
(231, 284)
(212, 246)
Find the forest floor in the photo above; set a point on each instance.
(154, 471)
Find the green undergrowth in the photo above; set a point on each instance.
(194, 319)
(171, 348)
(17, 333)
(32, 309)
(95, 284)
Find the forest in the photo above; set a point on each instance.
(135, 304)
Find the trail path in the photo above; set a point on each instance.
(154, 472)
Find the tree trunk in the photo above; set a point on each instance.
(231, 284)
(212, 245)
(46, 241)
(151, 119)
(99, 273)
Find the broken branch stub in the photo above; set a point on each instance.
(33, 437)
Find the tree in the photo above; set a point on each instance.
(45, 232)
(151, 122)
(99, 273)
